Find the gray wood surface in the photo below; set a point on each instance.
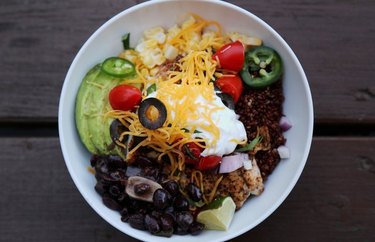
(333, 200)
(334, 41)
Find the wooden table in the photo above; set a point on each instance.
(333, 201)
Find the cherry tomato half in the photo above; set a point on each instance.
(230, 84)
(124, 97)
(231, 56)
(192, 153)
(208, 162)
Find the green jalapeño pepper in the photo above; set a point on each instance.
(262, 67)
(118, 67)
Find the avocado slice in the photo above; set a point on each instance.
(92, 104)
(98, 124)
(82, 110)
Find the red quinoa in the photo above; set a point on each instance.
(263, 107)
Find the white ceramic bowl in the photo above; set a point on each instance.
(106, 42)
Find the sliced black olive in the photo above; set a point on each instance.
(116, 129)
(227, 100)
(152, 113)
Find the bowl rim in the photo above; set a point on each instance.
(309, 132)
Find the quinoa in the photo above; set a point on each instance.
(263, 108)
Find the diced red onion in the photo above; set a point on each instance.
(285, 123)
(283, 151)
(247, 164)
(232, 162)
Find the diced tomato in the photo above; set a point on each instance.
(231, 84)
(231, 56)
(208, 162)
(192, 153)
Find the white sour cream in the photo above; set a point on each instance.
(225, 119)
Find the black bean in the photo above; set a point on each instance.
(181, 204)
(162, 178)
(151, 173)
(101, 188)
(102, 167)
(161, 198)
(133, 204)
(143, 210)
(194, 192)
(104, 177)
(141, 188)
(137, 221)
(166, 222)
(169, 209)
(143, 161)
(184, 219)
(117, 175)
(94, 159)
(156, 213)
(196, 228)
(116, 162)
(114, 191)
(164, 233)
(111, 203)
(124, 214)
(180, 231)
(151, 224)
(123, 198)
(172, 187)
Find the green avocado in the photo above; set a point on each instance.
(98, 124)
(82, 110)
(91, 105)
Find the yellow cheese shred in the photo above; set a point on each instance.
(197, 179)
(187, 83)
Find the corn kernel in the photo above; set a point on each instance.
(247, 41)
(188, 22)
(156, 33)
(173, 32)
(170, 52)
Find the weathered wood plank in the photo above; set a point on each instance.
(39, 40)
(333, 39)
(333, 201)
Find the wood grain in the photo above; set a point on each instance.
(333, 200)
(333, 39)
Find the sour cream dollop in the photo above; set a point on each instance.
(226, 120)
(231, 130)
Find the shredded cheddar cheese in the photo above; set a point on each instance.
(197, 178)
(186, 90)
(191, 81)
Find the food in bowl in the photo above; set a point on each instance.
(184, 127)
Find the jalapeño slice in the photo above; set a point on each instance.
(263, 66)
(118, 67)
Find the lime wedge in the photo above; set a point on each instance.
(218, 218)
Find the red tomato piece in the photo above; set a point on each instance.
(208, 162)
(231, 84)
(192, 153)
(124, 97)
(231, 56)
